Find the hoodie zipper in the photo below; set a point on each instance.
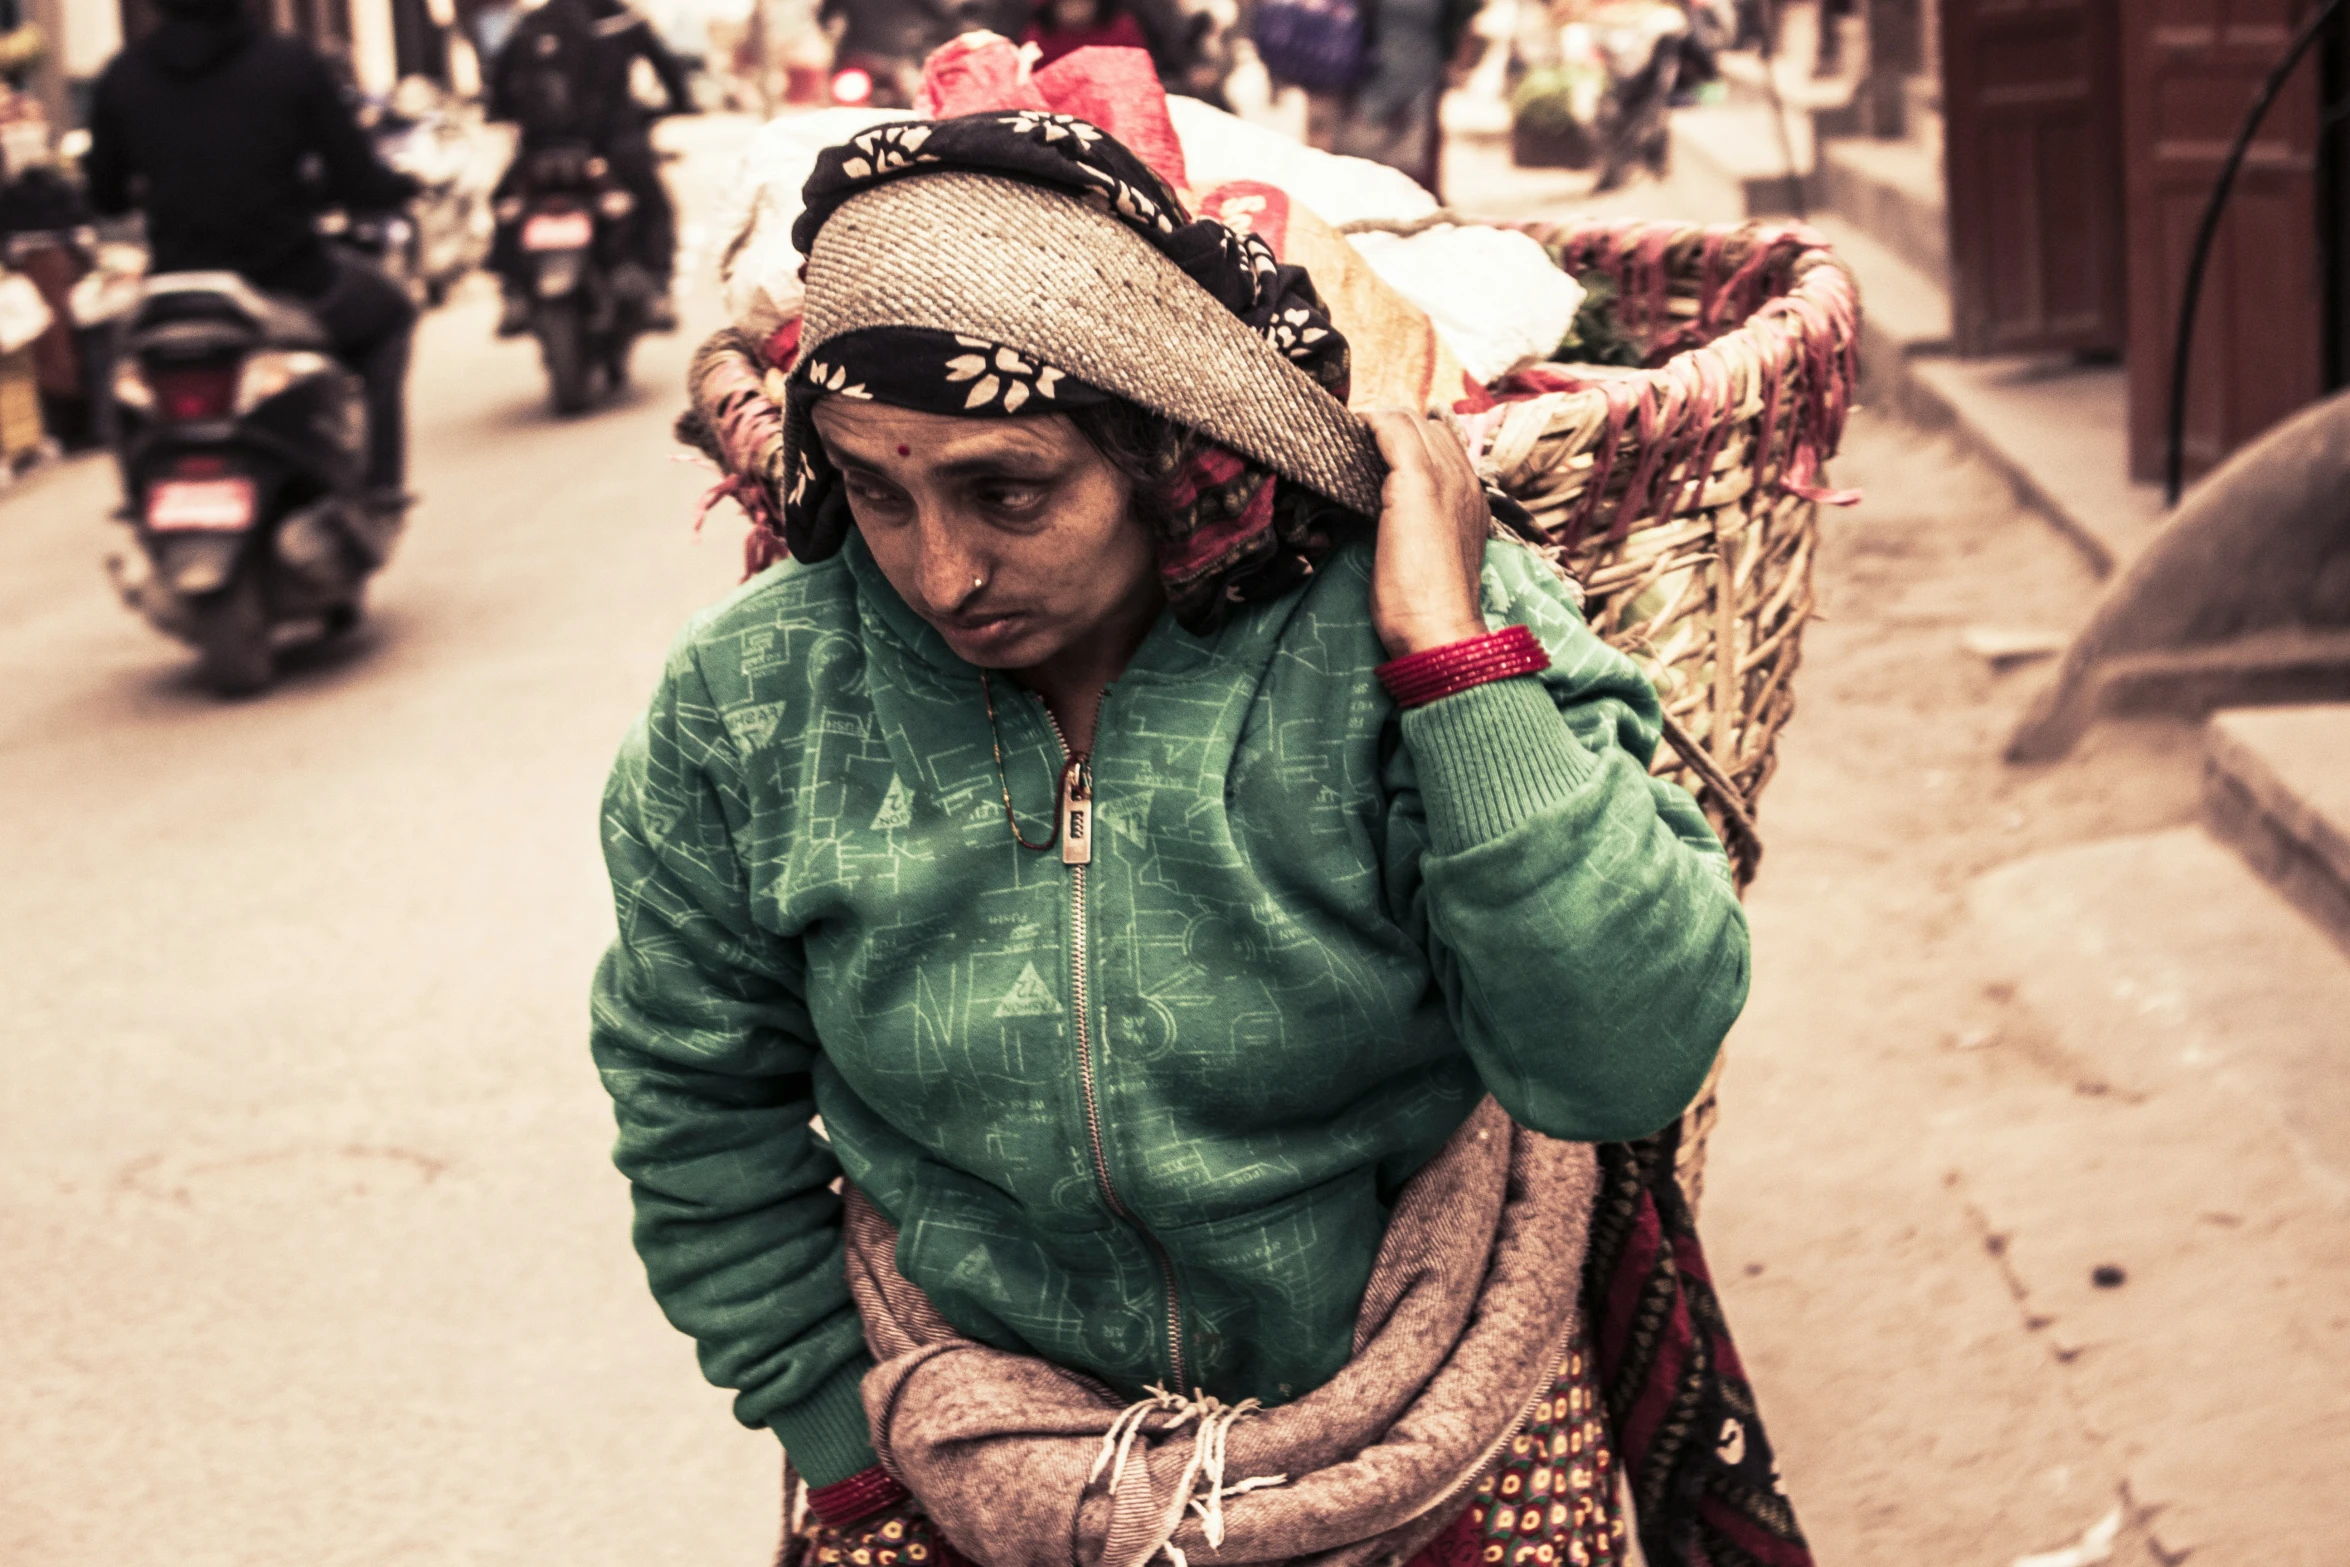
(1075, 807)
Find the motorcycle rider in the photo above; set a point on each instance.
(226, 135)
(563, 76)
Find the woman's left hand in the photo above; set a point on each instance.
(1432, 522)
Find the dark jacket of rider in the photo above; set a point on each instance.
(231, 139)
(617, 37)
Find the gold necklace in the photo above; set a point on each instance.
(1003, 780)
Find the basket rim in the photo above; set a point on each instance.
(1798, 346)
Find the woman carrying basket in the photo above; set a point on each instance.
(1211, 895)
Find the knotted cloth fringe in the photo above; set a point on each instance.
(1202, 1486)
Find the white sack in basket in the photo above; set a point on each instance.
(1219, 147)
(1494, 295)
(762, 286)
(759, 205)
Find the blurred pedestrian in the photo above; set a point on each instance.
(1829, 61)
(1391, 116)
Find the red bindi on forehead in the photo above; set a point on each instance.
(905, 450)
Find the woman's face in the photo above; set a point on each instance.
(1010, 535)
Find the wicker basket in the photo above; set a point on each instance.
(1684, 497)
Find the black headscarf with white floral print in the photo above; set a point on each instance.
(1238, 532)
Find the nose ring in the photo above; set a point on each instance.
(979, 582)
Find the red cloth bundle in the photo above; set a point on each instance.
(1116, 89)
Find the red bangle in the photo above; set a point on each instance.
(1417, 679)
(861, 1495)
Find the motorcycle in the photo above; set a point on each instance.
(387, 238)
(243, 448)
(571, 220)
(866, 81)
(445, 231)
(878, 46)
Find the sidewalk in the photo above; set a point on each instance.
(2031, 1195)
(2012, 1027)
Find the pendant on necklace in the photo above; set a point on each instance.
(1076, 813)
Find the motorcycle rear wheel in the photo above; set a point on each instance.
(563, 345)
(233, 652)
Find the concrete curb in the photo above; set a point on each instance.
(2055, 430)
(2273, 791)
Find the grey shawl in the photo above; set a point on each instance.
(1472, 1300)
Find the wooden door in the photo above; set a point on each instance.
(2190, 70)
(2031, 102)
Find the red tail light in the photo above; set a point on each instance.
(195, 391)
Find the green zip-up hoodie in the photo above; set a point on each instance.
(1143, 1118)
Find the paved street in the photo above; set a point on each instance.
(314, 1257)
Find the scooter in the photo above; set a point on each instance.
(243, 447)
(571, 218)
(867, 81)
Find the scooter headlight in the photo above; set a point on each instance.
(271, 371)
(616, 203)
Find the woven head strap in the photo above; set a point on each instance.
(1055, 278)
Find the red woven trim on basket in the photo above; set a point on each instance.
(1417, 679)
(1709, 413)
(1662, 401)
(1774, 379)
(861, 1495)
(1655, 246)
(1619, 395)
(1802, 332)
(1732, 297)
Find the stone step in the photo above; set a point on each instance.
(2059, 433)
(1749, 83)
(1730, 163)
(1892, 190)
(2276, 787)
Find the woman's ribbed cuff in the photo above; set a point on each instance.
(826, 1433)
(1490, 758)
